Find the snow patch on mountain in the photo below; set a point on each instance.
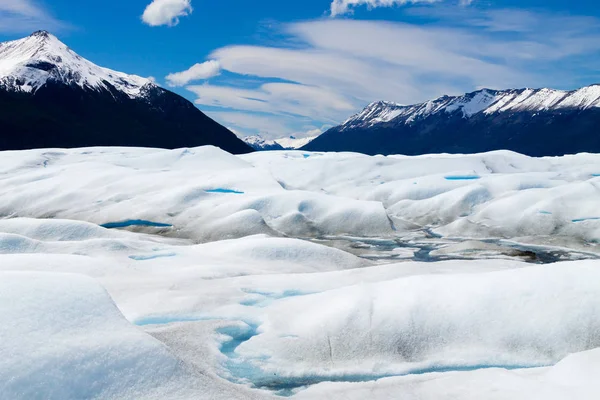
(292, 142)
(471, 105)
(485, 101)
(28, 64)
(258, 143)
(289, 143)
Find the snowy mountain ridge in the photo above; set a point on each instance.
(293, 142)
(51, 97)
(28, 64)
(289, 143)
(258, 143)
(484, 101)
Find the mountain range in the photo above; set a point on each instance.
(287, 143)
(535, 122)
(51, 97)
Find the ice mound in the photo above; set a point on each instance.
(512, 319)
(280, 252)
(56, 230)
(244, 267)
(63, 338)
(165, 277)
(513, 195)
(572, 378)
(292, 213)
(204, 194)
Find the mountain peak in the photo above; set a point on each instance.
(28, 64)
(483, 101)
(42, 34)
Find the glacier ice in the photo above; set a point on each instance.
(334, 275)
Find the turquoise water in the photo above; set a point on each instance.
(268, 298)
(462, 177)
(221, 190)
(134, 222)
(152, 256)
(287, 386)
(586, 219)
(164, 320)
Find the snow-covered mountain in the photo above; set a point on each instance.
(52, 97)
(260, 144)
(531, 121)
(485, 101)
(28, 64)
(288, 143)
(293, 142)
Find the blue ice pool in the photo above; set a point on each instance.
(164, 320)
(134, 222)
(221, 190)
(462, 177)
(152, 256)
(586, 219)
(287, 386)
(268, 298)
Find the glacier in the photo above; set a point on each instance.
(137, 273)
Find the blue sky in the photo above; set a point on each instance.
(280, 68)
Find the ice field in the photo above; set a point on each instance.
(193, 273)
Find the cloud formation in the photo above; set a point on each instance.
(166, 12)
(17, 16)
(197, 72)
(277, 98)
(341, 7)
(323, 71)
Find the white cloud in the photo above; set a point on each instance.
(166, 12)
(325, 70)
(21, 7)
(276, 98)
(364, 61)
(268, 126)
(17, 16)
(341, 7)
(249, 124)
(197, 72)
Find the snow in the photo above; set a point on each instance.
(571, 378)
(485, 101)
(63, 337)
(286, 143)
(205, 194)
(258, 143)
(28, 64)
(471, 106)
(132, 273)
(524, 318)
(292, 142)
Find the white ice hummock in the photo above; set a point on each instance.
(247, 275)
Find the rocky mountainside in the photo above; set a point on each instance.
(52, 97)
(287, 143)
(536, 122)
